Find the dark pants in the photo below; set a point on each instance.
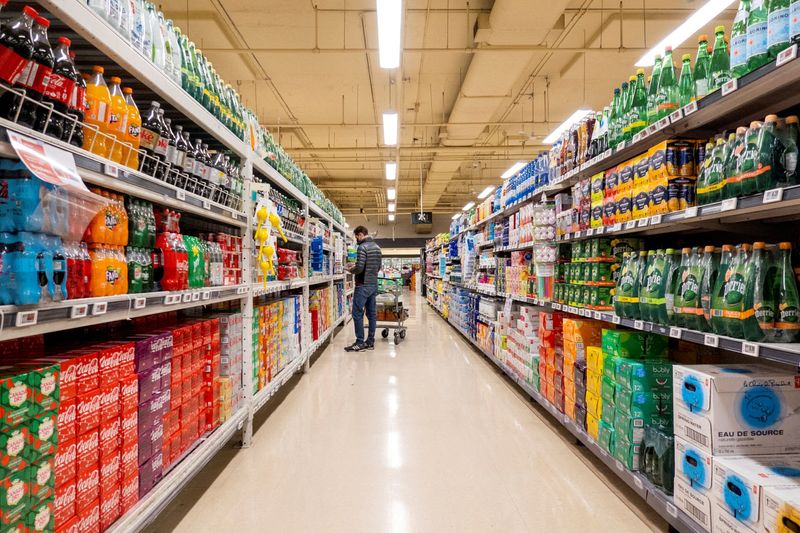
(364, 297)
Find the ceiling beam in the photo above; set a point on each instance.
(454, 50)
(520, 150)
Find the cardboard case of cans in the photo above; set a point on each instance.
(276, 338)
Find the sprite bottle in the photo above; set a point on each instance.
(710, 265)
(757, 53)
(719, 322)
(667, 96)
(777, 27)
(787, 322)
(652, 92)
(638, 114)
(702, 68)
(739, 40)
(720, 67)
(686, 87)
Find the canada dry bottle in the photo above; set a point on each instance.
(720, 69)
(739, 40)
(787, 324)
(757, 54)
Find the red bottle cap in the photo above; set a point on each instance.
(41, 21)
(65, 41)
(28, 10)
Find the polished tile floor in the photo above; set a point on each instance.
(422, 437)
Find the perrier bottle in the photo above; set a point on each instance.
(686, 87)
(720, 70)
(652, 92)
(638, 114)
(702, 66)
(667, 96)
(787, 321)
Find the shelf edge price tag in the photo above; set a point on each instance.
(672, 510)
(616, 227)
(729, 204)
(79, 311)
(655, 220)
(596, 315)
(689, 108)
(642, 222)
(619, 465)
(100, 308)
(631, 224)
(772, 196)
(140, 302)
(27, 318)
(711, 340)
(206, 205)
(195, 296)
(110, 170)
(786, 55)
(675, 333)
(638, 482)
(690, 212)
(729, 87)
(676, 116)
(187, 297)
(590, 232)
(663, 123)
(638, 324)
(751, 349)
(180, 194)
(615, 319)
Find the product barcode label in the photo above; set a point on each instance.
(617, 227)
(676, 116)
(615, 319)
(689, 108)
(195, 296)
(711, 340)
(642, 222)
(729, 204)
(630, 224)
(607, 153)
(675, 333)
(638, 324)
(638, 482)
(751, 349)
(773, 195)
(663, 123)
(619, 465)
(729, 87)
(596, 315)
(600, 230)
(111, 170)
(696, 513)
(696, 436)
(655, 219)
(786, 55)
(27, 318)
(180, 194)
(590, 232)
(79, 311)
(206, 205)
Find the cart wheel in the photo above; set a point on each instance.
(402, 334)
(385, 333)
(397, 338)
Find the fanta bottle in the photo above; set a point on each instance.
(131, 156)
(97, 113)
(118, 122)
(122, 239)
(98, 285)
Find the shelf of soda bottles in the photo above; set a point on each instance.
(772, 86)
(193, 461)
(23, 321)
(661, 502)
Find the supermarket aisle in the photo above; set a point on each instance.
(423, 437)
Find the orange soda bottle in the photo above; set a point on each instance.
(118, 121)
(131, 156)
(123, 221)
(98, 285)
(97, 113)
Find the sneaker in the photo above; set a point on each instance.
(369, 346)
(355, 347)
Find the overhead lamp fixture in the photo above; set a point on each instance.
(486, 192)
(390, 129)
(573, 118)
(391, 171)
(456, 216)
(391, 217)
(346, 225)
(390, 18)
(690, 27)
(516, 167)
(468, 206)
(391, 207)
(391, 193)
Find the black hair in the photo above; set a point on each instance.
(361, 230)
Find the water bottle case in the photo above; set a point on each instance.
(736, 498)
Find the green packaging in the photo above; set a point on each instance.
(605, 436)
(44, 385)
(609, 365)
(14, 496)
(43, 440)
(602, 273)
(607, 390)
(42, 480)
(634, 344)
(644, 375)
(624, 245)
(626, 452)
(600, 298)
(13, 450)
(15, 397)
(601, 249)
(41, 517)
(607, 415)
(632, 429)
(644, 404)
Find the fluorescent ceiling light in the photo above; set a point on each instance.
(456, 216)
(391, 217)
(516, 167)
(391, 193)
(573, 118)
(390, 17)
(391, 207)
(390, 129)
(391, 171)
(468, 206)
(486, 192)
(346, 225)
(690, 27)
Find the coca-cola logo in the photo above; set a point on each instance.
(109, 469)
(89, 521)
(87, 367)
(47, 429)
(88, 406)
(67, 413)
(129, 388)
(43, 473)
(162, 343)
(131, 488)
(16, 443)
(130, 455)
(89, 482)
(42, 518)
(60, 88)
(110, 432)
(15, 492)
(65, 496)
(108, 360)
(17, 394)
(109, 396)
(66, 455)
(48, 384)
(69, 373)
(111, 504)
(129, 422)
(88, 445)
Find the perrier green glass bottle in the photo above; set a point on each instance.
(638, 115)
(787, 301)
(613, 122)
(686, 87)
(652, 92)
(702, 66)
(720, 70)
(626, 130)
(667, 96)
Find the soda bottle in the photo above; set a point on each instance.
(118, 121)
(135, 271)
(652, 91)
(73, 129)
(199, 172)
(739, 40)
(733, 178)
(719, 68)
(646, 287)
(210, 186)
(99, 100)
(16, 51)
(150, 141)
(770, 150)
(777, 27)
(179, 159)
(687, 296)
(171, 176)
(188, 164)
(187, 65)
(710, 264)
(702, 68)
(613, 133)
(686, 86)
(789, 159)
(667, 96)
(749, 164)
(218, 177)
(59, 91)
(36, 77)
(787, 325)
(627, 111)
(130, 155)
(715, 173)
(757, 53)
(758, 315)
(638, 115)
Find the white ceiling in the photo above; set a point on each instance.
(325, 103)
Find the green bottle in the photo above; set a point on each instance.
(787, 311)
(652, 91)
(645, 287)
(672, 270)
(715, 173)
(710, 264)
(702, 68)
(739, 40)
(638, 115)
(757, 53)
(688, 308)
(777, 27)
(626, 300)
(732, 301)
(701, 186)
(686, 87)
(613, 131)
(657, 280)
(733, 166)
(626, 109)
(205, 83)
(770, 150)
(720, 68)
(197, 82)
(719, 323)
(751, 161)
(790, 152)
(760, 285)
(668, 95)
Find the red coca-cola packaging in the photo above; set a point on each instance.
(129, 428)
(41, 479)
(88, 408)
(175, 447)
(89, 518)
(109, 402)
(64, 503)
(87, 372)
(129, 461)
(175, 394)
(87, 488)
(68, 376)
(71, 525)
(107, 366)
(197, 382)
(67, 420)
(110, 507)
(88, 451)
(109, 436)
(186, 389)
(110, 467)
(172, 422)
(129, 393)
(129, 493)
(176, 371)
(66, 463)
(126, 355)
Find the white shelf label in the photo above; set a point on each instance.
(729, 87)
(596, 315)
(750, 348)
(590, 232)
(619, 465)
(651, 129)
(140, 302)
(180, 194)
(111, 170)
(195, 296)
(607, 153)
(234, 215)
(206, 205)
(600, 230)
(100, 308)
(729, 204)
(663, 123)
(689, 108)
(168, 300)
(79, 311)
(639, 136)
(786, 55)
(638, 324)
(617, 227)
(773, 195)
(638, 482)
(642, 222)
(615, 319)
(631, 224)
(711, 340)
(672, 510)
(241, 290)
(655, 220)
(27, 318)
(676, 116)
(690, 212)
(186, 297)
(675, 333)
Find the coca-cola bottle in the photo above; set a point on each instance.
(163, 147)
(58, 91)
(38, 77)
(16, 51)
(149, 139)
(73, 129)
(179, 159)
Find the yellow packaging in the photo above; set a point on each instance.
(598, 185)
(640, 201)
(594, 359)
(594, 404)
(594, 381)
(626, 174)
(592, 425)
(624, 206)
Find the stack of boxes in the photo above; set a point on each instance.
(276, 338)
(519, 275)
(595, 363)
(211, 369)
(579, 336)
(230, 370)
(635, 392)
(522, 342)
(737, 446)
(551, 353)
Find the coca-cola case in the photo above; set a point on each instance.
(87, 486)
(87, 451)
(67, 420)
(70, 525)
(109, 436)
(89, 518)
(64, 503)
(129, 393)
(66, 465)
(110, 507)
(110, 468)
(109, 402)
(129, 461)
(88, 408)
(129, 493)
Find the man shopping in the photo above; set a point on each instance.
(366, 270)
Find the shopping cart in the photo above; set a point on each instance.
(394, 314)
